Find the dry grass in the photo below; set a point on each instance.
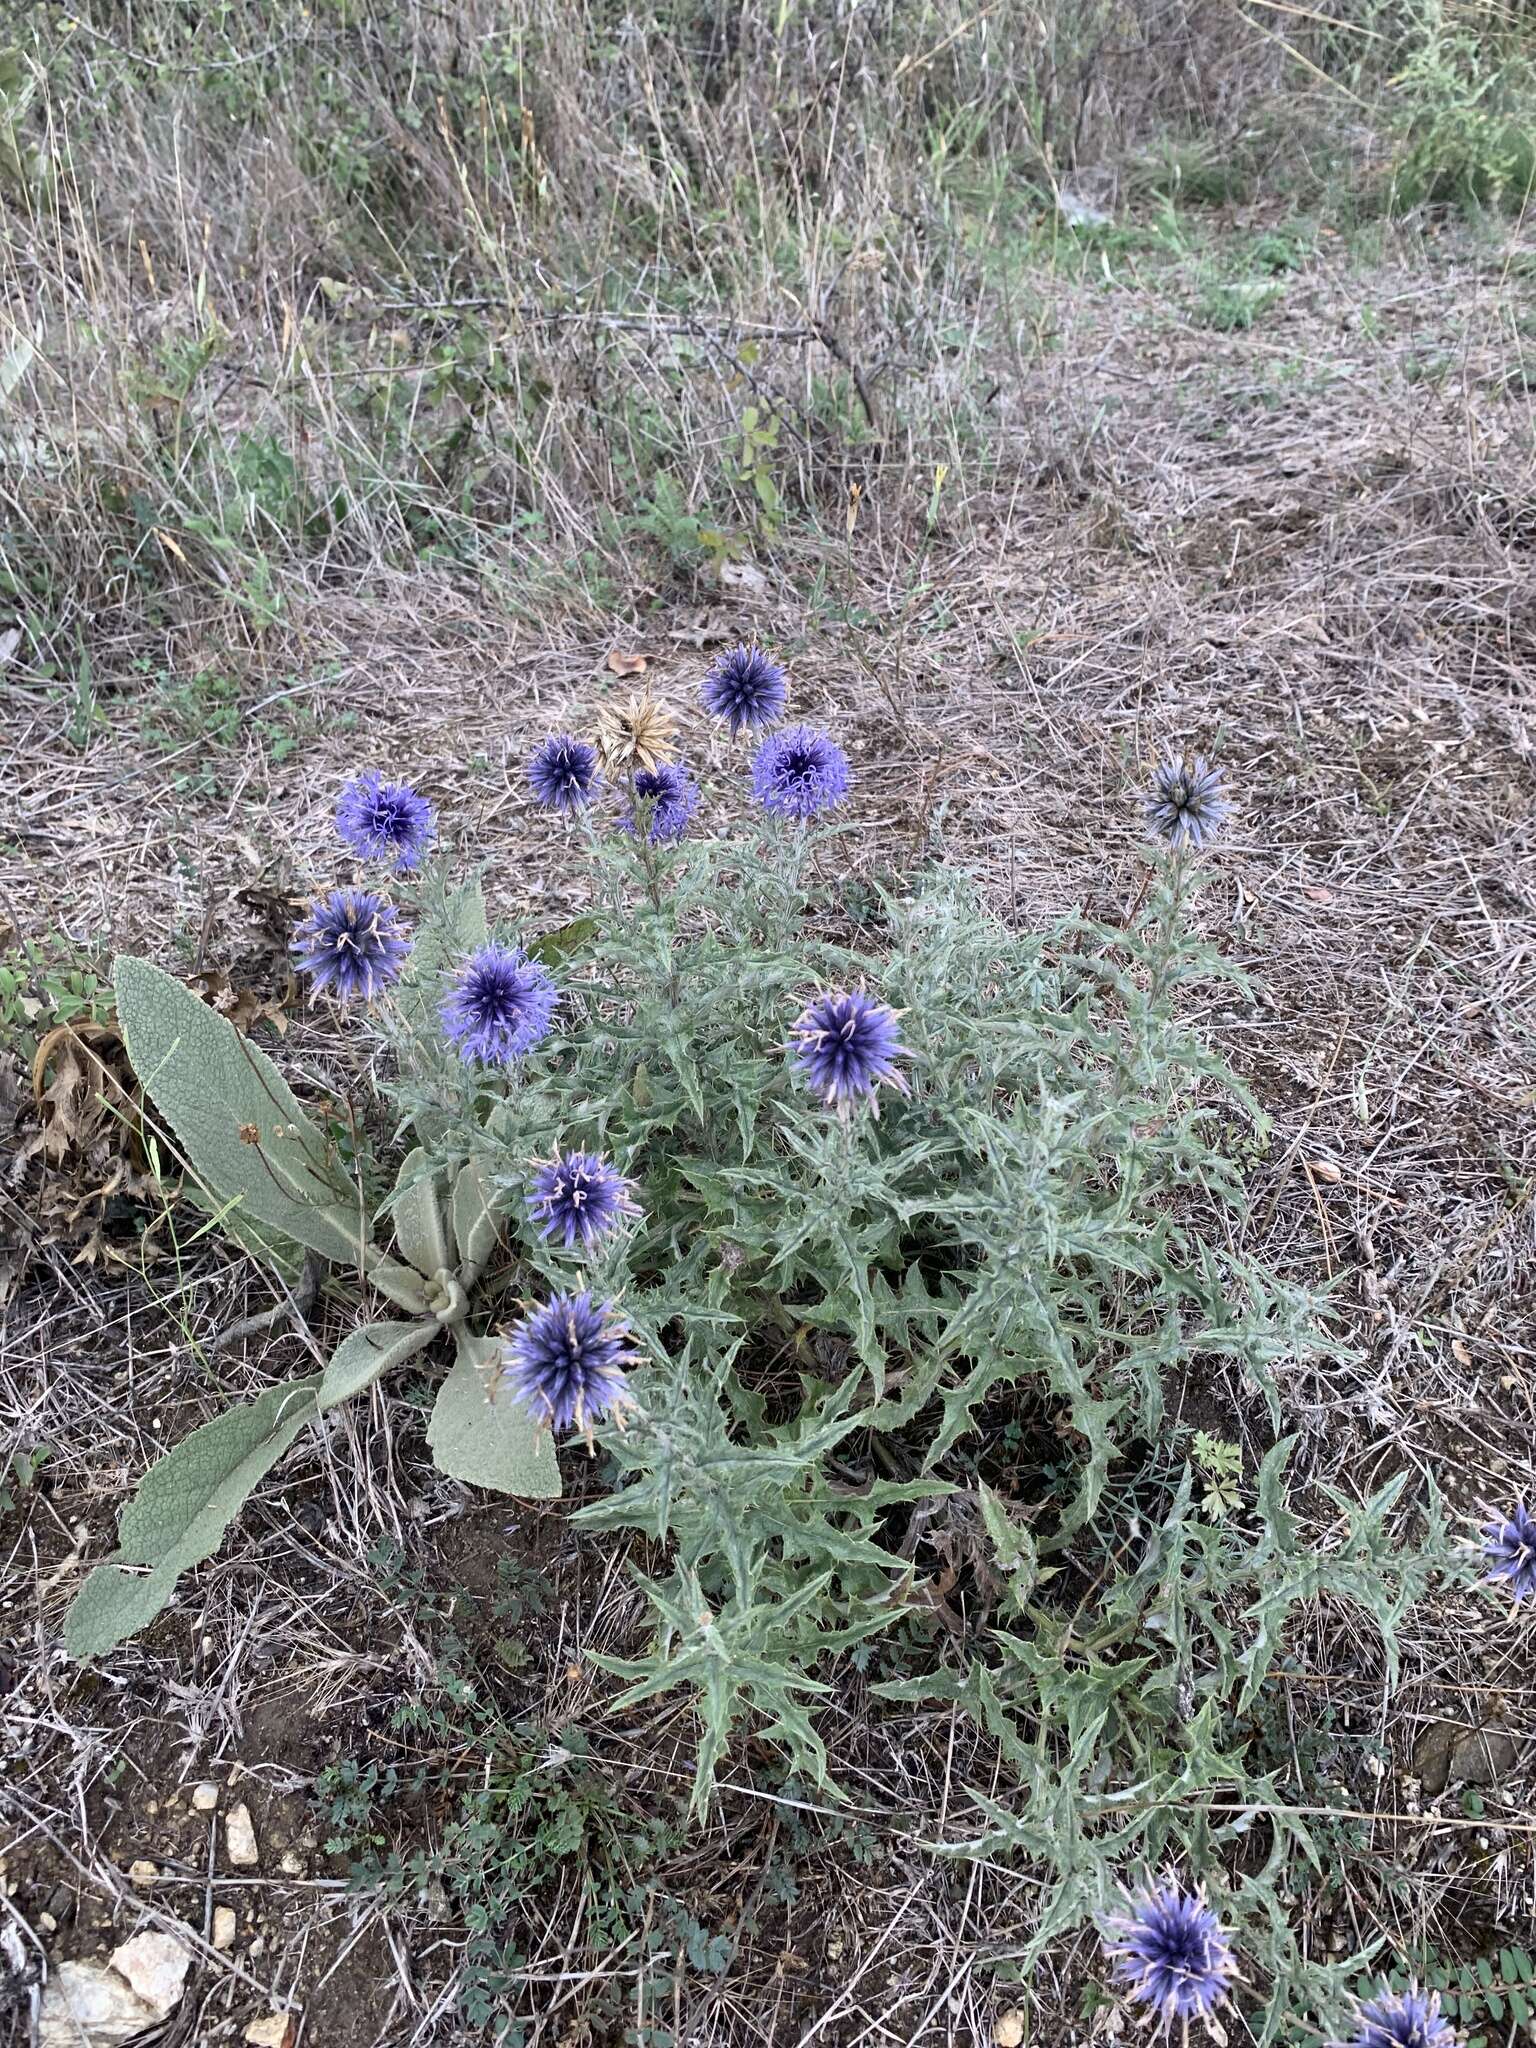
(1290, 545)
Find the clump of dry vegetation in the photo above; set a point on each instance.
(382, 386)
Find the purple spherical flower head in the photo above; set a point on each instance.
(385, 821)
(1403, 2019)
(1509, 1550)
(565, 1362)
(673, 798)
(579, 1197)
(845, 1045)
(746, 688)
(1171, 1952)
(799, 772)
(350, 944)
(1186, 804)
(500, 1005)
(563, 773)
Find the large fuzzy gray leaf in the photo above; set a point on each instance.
(235, 1116)
(489, 1441)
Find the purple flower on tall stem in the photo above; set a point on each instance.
(500, 1005)
(672, 798)
(1186, 804)
(386, 821)
(1403, 2019)
(746, 688)
(563, 773)
(799, 772)
(1171, 1952)
(350, 944)
(1509, 1551)
(579, 1197)
(845, 1045)
(565, 1362)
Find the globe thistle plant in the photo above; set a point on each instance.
(499, 1007)
(565, 1362)
(672, 796)
(1509, 1552)
(1170, 1952)
(636, 737)
(1186, 804)
(579, 1197)
(799, 772)
(746, 688)
(563, 772)
(1403, 2019)
(845, 1045)
(350, 945)
(385, 821)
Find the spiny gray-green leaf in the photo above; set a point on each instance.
(211, 1085)
(421, 1229)
(487, 1442)
(181, 1511)
(441, 942)
(476, 1227)
(359, 1359)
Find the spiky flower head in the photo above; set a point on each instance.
(746, 687)
(1403, 2019)
(1171, 1952)
(500, 1005)
(350, 944)
(1186, 804)
(845, 1044)
(635, 736)
(565, 1362)
(1509, 1550)
(579, 1197)
(799, 772)
(672, 796)
(563, 772)
(387, 821)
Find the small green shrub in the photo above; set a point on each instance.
(835, 1327)
(1466, 105)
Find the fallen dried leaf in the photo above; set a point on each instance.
(627, 664)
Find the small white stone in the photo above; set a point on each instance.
(276, 2031)
(47, 1923)
(290, 1864)
(223, 1926)
(240, 1838)
(84, 2002)
(142, 1871)
(205, 1798)
(156, 1966)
